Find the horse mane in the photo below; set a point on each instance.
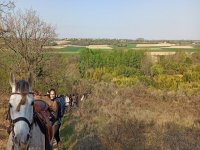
(22, 102)
(22, 87)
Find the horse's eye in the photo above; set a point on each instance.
(10, 105)
(32, 103)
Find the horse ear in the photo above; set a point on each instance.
(82, 97)
(12, 79)
(30, 79)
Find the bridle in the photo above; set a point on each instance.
(13, 121)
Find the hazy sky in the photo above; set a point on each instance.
(129, 19)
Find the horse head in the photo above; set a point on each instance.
(20, 110)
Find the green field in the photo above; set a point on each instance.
(71, 49)
(124, 46)
(130, 46)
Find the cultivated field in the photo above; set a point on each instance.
(98, 47)
(159, 47)
(181, 47)
(56, 47)
(155, 45)
(164, 45)
(62, 42)
(78, 46)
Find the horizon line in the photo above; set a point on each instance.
(129, 39)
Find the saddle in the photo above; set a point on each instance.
(46, 99)
(43, 115)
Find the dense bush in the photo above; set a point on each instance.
(131, 67)
(157, 70)
(95, 64)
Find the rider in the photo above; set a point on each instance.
(57, 124)
(47, 113)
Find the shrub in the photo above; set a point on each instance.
(156, 70)
(124, 71)
(125, 81)
(191, 76)
(167, 81)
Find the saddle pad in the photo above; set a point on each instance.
(40, 105)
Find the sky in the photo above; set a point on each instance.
(121, 19)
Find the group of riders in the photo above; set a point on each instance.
(35, 119)
(51, 109)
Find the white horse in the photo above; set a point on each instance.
(67, 101)
(25, 132)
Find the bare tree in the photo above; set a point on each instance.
(5, 7)
(26, 37)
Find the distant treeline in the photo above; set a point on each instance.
(124, 42)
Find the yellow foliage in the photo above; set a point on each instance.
(89, 73)
(128, 81)
(96, 74)
(191, 76)
(191, 85)
(167, 81)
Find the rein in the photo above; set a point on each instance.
(22, 119)
(12, 122)
(21, 93)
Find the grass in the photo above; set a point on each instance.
(67, 131)
(197, 46)
(152, 49)
(127, 46)
(182, 49)
(4, 123)
(71, 49)
(157, 49)
(130, 46)
(123, 118)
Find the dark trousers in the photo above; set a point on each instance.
(57, 133)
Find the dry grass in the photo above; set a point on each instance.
(56, 47)
(123, 118)
(160, 53)
(176, 46)
(3, 122)
(164, 45)
(62, 42)
(155, 45)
